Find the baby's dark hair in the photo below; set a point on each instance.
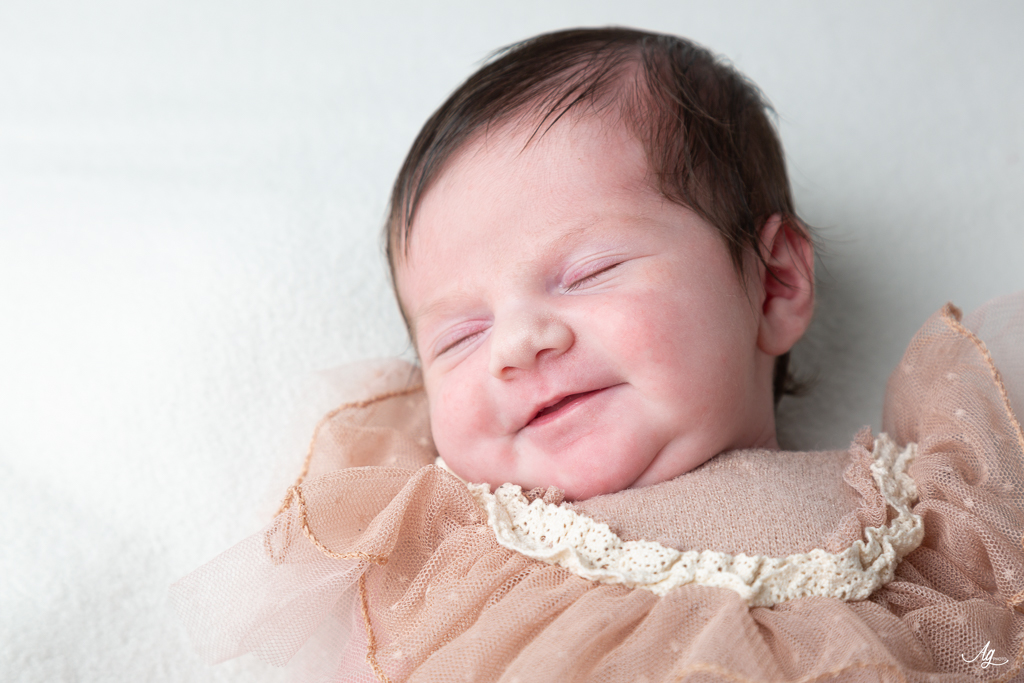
(705, 129)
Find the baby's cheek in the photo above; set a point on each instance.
(644, 330)
(458, 420)
(446, 404)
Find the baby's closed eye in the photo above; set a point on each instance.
(457, 337)
(592, 276)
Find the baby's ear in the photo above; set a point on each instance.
(787, 278)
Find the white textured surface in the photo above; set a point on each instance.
(190, 195)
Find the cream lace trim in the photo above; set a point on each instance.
(558, 535)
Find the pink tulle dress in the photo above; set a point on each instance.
(898, 559)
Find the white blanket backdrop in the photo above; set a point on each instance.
(190, 201)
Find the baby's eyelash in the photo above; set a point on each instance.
(587, 278)
(454, 344)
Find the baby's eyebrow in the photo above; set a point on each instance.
(579, 227)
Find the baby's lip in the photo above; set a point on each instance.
(552, 408)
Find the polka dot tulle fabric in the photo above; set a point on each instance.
(382, 566)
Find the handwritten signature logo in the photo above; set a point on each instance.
(986, 657)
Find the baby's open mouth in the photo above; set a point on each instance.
(562, 403)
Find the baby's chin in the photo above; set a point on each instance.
(582, 473)
(572, 485)
(578, 485)
(668, 464)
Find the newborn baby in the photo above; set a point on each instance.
(596, 252)
(581, 319)
(576, 328)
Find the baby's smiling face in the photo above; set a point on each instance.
(575, 327)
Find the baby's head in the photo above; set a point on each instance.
(594, 246)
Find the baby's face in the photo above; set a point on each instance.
(576, 328)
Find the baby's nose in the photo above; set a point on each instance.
(519, 340)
